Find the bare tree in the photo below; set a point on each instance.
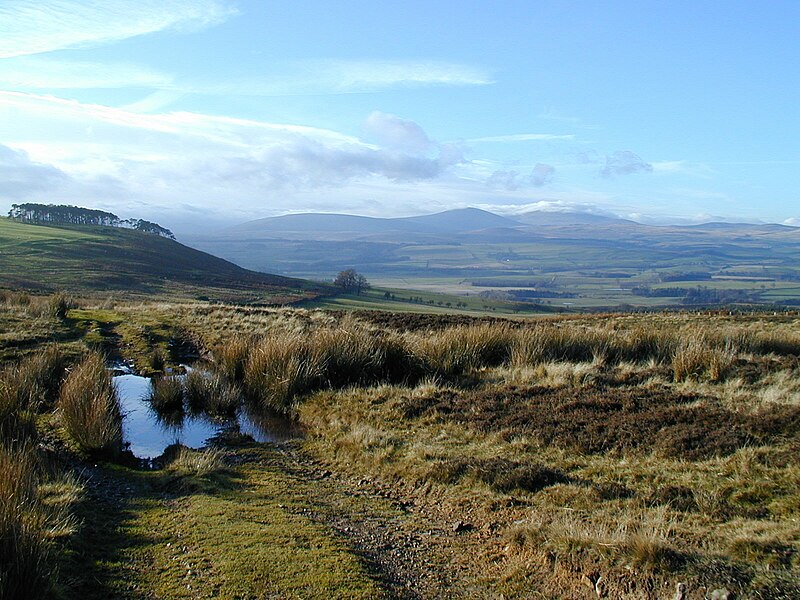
(351, 281)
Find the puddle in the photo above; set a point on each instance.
(149, 434)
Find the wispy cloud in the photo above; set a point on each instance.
(208, 158)
(37, 26)
(37, 72)
(520, 137)
(307, 77)
(356, 75)
(682, 167)
(624, 162)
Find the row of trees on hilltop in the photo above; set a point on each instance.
(59, 214)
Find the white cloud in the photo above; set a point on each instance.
(37, 26)
(394, 132)
(178, 158)
(792, 222)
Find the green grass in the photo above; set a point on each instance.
(108, 259)
(424, 301)
(246, 533)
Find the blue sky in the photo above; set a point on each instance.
(186, 110)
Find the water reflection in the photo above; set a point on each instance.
(149, 433)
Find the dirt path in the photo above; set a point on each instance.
(412, 553)
(262, 535)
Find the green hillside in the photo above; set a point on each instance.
(84, 259)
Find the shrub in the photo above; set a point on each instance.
(89, 407)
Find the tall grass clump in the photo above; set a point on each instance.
(59, 305)
(17, 417)
(89, 407)
(569, 343)
(284, 366)
(698, 357)
(166, 394)
(27, 387)
(231, 357)
(211, 393)
(25, 570)
(457, 350)
(280, 368)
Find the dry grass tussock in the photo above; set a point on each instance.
(89, 409)
(197, 463)
(285, 363)
(54, 306)
(211, 393)
(642, 539)
(280, 368)
(166, 394)
(673, 458)
(28, 524)
(28, 387)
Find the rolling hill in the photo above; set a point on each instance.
(89, 259)
(320, 226)
(573, 259)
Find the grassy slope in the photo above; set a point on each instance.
(92, 259)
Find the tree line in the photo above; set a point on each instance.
(59, 214)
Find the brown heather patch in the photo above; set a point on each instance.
(599, 420)
(500, 474)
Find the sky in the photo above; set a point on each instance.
(196, 113)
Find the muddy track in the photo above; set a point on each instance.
(410, 549)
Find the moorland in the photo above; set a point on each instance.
(619, 455)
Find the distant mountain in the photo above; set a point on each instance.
(85, 259)
(348, 227)
(565, 218)
(460, 220)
